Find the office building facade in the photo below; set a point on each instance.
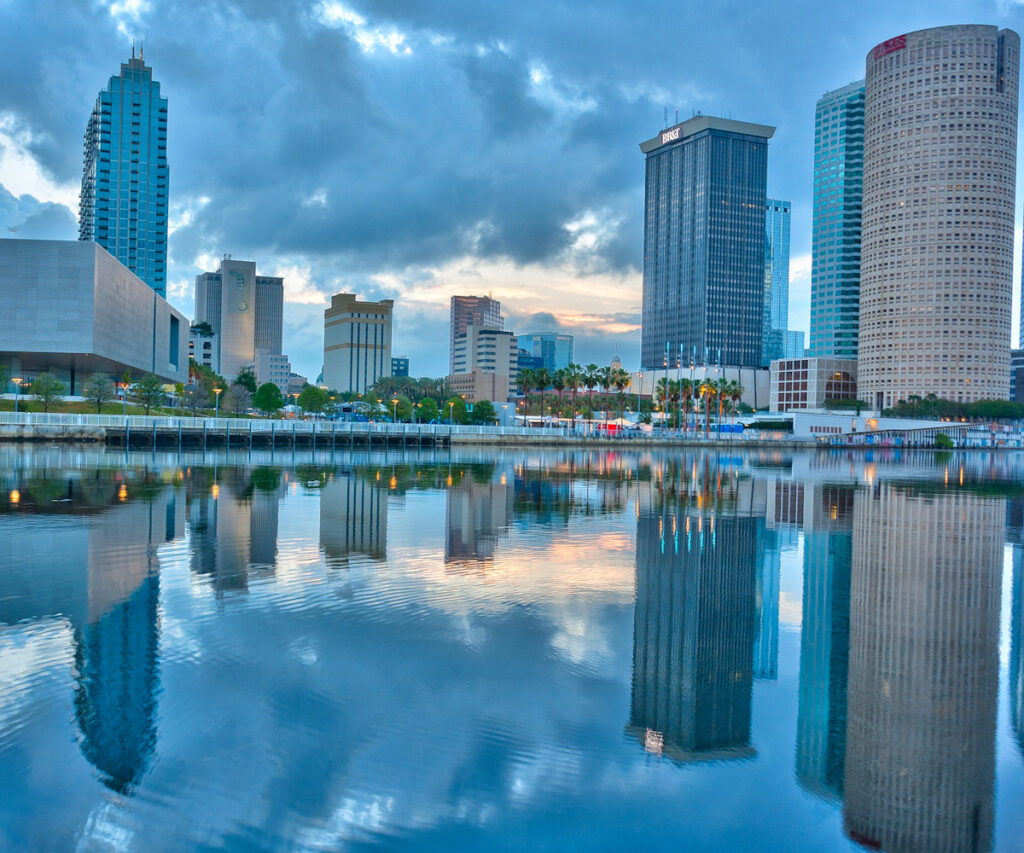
(123, 202)
(246, 316)
(808, 383)
(553, 350)
(486, 364)
(704, 243)
(775, 307)
(835, 239)
(480, 311)
(940, 142)
(71, 309)
(399, 366)
(357, 342)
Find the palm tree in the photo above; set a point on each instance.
(706, 390)
(686, 392)
(574, 376)
(543, 380)
(590, 380)
(604, 378)
(735, 394)
(526, 379)
(558, 383)
(620, 379)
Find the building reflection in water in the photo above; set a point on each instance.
(923, 669)
(98, 567)
(478, 514)
(825, 641)
(232, 518)
(1016, 533)
(353, 517)
(693, 632)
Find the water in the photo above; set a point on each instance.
(566, 651)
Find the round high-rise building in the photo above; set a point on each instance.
(940, 144)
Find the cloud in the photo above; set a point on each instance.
(26, 217)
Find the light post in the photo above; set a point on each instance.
(451, 413)
(216, 396)
(394, 410)
(17, 380)
(123, 386)
(639, 389)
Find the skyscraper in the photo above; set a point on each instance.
(123, 204)
(940, 148)
(835, 240)
(255, 313)
(775, 308)
(704, 236)
(480, 311)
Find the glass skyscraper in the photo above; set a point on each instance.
(835, 241)
(704, 242)
(775, 309)
(123, 205)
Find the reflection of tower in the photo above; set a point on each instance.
(693, 635)
(923, 677)
(231, 531)
(476, 516)
(1016, 652)
(116, 652)
(824, 661)
(353, 518)
(769, 570)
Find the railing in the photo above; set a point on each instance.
(245, 425)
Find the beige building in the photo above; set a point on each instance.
(806, 383)
(486, 364)
(940, 145)
(357, 342)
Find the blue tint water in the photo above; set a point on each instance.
(539, 650)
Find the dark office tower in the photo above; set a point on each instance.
(924, 669)
(824, 660)
(693, 635)
(123, 204)
(835, 240)
(480, 311)
(704, 238)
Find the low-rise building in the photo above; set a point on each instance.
(808, 383)
(203, 347)
(72, 309)
(399, 365)
(272, 367)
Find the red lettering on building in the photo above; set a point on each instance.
(897, 43)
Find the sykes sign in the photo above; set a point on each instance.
(897, 43)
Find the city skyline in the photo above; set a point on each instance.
(559, 152)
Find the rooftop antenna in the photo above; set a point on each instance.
(677, 115)
(141, 46)
(666, 116)
(133, 48)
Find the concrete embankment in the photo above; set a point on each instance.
(53, 432)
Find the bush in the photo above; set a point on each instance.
(943, 441)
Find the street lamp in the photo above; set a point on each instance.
(17, 380)
(639, 388)
(451, 412)
(394, 410)
(216, 396)
(124, 396)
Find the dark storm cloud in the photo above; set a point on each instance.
(26, 217)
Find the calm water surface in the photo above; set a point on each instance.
(563, 651)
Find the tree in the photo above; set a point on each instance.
(543, 380)
(455, 410)
(98, 389)
(526, 379)
(313, 399)
(203, 329)
(237, 399)
(148, 391)
(247, 379)
(591, 378)
(427, 411)
(483, 413)
(196, 397)
(621, 380)
(48, 389)
(268, 398)
(573, 378)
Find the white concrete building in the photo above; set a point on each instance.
(486, 364)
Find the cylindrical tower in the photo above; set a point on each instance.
(940, 144)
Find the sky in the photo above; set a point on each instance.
(414, 151)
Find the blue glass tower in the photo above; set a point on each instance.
(835, 241)
(123, 205)
(775, 309)
(704, 234)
